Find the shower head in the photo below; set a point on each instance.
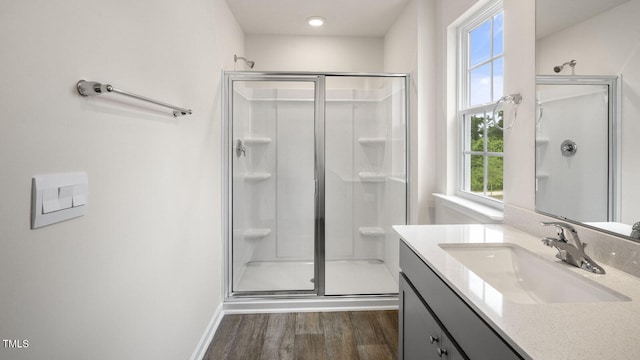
(559, 68)
(249, 63)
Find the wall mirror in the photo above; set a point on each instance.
(588, 113)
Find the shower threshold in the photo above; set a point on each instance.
(342, 277)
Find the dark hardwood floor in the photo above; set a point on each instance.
(357, 335)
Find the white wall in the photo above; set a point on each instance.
(314, 53)
(409, 47)
(404, 52)
(140, 275)
(401, 42)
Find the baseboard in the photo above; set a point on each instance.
(322, 304)
(205, 340)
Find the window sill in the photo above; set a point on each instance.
(474, 210)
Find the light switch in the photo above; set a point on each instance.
(65, 196)
(58, 197)
(79, 197)
(50, 201)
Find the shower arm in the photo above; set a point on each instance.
(571, 63)
(249, 63)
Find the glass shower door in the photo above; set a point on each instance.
(365, 182)
(273, 184)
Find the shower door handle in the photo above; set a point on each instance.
(315, 186)
(240, 148)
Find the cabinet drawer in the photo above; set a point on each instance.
(473, 335)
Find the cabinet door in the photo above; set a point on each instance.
(416, 325)
(447, 350)
(441, 345)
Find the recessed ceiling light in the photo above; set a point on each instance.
(316, 21)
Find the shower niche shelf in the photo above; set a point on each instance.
(542, 141)
(372, 141)
(257, 140)
(542, 174)
(371, 231)
(257, 177)
(255, 234)
(366, 176)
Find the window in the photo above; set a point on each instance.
(480, 86)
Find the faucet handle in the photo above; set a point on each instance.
(548, 241)
(561, 228)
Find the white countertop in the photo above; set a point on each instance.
(603, 330)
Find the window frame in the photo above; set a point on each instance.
(464, 110)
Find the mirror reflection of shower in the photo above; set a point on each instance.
(571, 63)
(249, 63)
(579, 112)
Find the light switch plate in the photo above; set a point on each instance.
(58, 197)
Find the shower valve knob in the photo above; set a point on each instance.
(568, 148)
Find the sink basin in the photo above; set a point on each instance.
(524, 277)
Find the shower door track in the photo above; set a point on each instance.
(385, 300)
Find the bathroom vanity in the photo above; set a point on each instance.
(494, 292)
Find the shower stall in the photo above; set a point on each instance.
(316, 175)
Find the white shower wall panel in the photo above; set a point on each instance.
(394, 209)
(366, 204)
(295, 169)
(370, 120)
(352, 204)
(339, 219)
(339, 138)
(278, 194)
(394, 213)
(396, 121)
(583, 177)
(339, 178)
(261, 204)
(359, 131)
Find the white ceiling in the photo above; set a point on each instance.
(555, 15)
(375, 17)
(344, 17)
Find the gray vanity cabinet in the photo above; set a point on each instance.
(428, 308)
(420, 334)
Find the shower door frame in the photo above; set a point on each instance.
(318, 246)
(319, 127)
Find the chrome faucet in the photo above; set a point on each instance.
(635, 231)
(570, 248)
